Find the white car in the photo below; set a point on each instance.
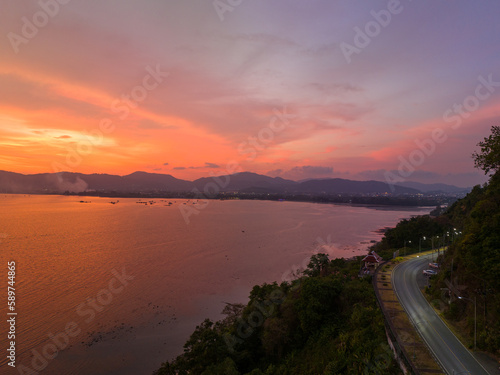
(433, 265)
(429, 272)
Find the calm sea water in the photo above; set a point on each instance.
(107, 288)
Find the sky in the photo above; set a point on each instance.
(385, 90)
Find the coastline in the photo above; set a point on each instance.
(356, 200)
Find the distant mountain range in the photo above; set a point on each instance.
(244, 182)
(435, 188)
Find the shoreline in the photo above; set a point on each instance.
(392, 206)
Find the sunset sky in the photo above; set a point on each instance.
(186, 87)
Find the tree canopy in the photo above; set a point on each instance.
(488, 159)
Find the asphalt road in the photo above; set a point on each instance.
(447, 349)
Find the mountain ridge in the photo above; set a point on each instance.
(247, 182)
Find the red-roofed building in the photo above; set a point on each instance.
(372, 259)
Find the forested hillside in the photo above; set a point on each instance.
(472, 263)
(470, 228)
(325, 322)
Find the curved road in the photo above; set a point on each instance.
(447, 349)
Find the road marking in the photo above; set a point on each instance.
(405, 286)
(429, 323)
(444, 324)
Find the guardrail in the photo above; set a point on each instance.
(401, 353)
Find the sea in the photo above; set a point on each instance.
(116, 286)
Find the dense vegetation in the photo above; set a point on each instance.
(416, 234)
(471, 230)
(325, 322)
(472, 263)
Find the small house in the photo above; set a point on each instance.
(372, 259)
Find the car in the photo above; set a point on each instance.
(433, 265)
(429, 272)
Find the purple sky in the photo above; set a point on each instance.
(180, 87)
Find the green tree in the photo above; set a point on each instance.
(227, 367)
(317, 265)
(204, 348)
(317, 302)
(488, 159)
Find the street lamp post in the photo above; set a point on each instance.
(404, 248)
(475, 317)
(420, 244)
(432, 241)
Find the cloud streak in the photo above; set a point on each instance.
(227, 77)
